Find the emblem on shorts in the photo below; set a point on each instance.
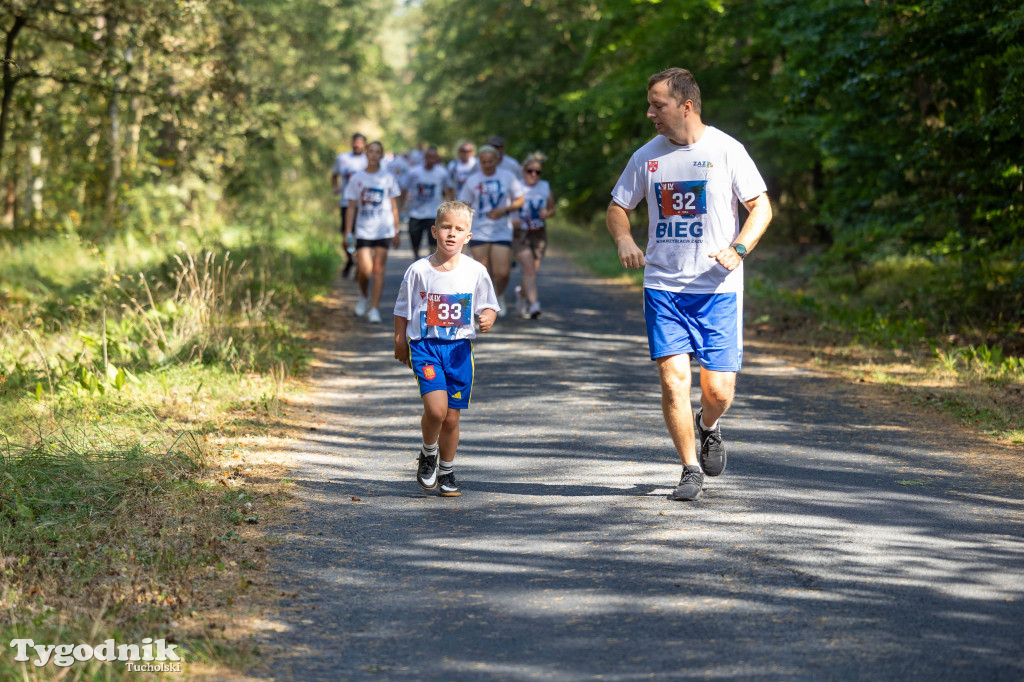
(428, 372)
(652, 166)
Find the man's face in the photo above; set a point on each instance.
(431, 158)
(488, 163)
(667, 114)
(466, 152)
(358, 145)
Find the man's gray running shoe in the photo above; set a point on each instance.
(710, 448)
(447, 486)
(426, 472)
(690, 485)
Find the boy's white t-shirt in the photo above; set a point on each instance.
(426, 190)
(373, 193)
(443, 304)
(486, 193)
(693, 195)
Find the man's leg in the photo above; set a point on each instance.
(674, 371)
(717, 392)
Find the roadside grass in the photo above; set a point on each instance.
(876, 325)
(139, 391)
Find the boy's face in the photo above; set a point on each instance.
(452, 233)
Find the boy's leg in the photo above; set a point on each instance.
(717, 392)
(435, 413)
(449, 439)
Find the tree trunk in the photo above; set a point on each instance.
(114, 116)
(9, 81)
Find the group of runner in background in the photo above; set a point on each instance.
(379, 192)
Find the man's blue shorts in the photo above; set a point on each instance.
(444, 366)
(709, 326)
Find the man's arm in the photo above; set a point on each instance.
(753, 229)
(630, 254)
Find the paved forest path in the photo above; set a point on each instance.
(839, 544)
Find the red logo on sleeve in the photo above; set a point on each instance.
(428, 372)
(652, 166)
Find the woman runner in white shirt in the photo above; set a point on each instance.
(530, 238)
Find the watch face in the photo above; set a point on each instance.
(740, 249)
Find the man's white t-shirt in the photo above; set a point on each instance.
(486, 193)
(442, 304)
(460, 170)
(346, 165)
(425, 190)
(511, 165)
(373, 193)
(536, 200)
(693, 195)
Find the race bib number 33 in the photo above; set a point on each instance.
(449, 310)
(685, 198)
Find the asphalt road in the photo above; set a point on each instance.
(841, 543)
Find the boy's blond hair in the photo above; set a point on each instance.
(454, 207)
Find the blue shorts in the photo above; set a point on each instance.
(444, 366)
(709, 326)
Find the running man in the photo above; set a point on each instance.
(345, 166)
(462, 167)
(693, 177)
(425, 188)
(505, 162)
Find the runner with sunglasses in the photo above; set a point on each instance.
(530, 236)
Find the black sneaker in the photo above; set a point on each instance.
(447, 485)
(426, 473)
(710, 448)
(690, 485)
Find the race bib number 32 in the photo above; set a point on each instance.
(449, 310)
(685, 198)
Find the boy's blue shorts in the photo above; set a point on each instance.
(444, 366)
(709, 326)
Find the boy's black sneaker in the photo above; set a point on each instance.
(710, 448)
(447, 487)
(426, 472)
(690, 485)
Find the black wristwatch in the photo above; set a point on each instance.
(740, 249)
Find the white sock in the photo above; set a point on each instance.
(445, 467)
(706, 427)
(430, 450)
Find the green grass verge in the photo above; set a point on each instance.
(135, 384)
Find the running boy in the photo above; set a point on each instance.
(433, 335)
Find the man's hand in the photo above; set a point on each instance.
(486, 318)
(727, 258)
(496, 213)
(630, 254)
(398, 240)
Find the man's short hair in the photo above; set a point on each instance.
(357, 136)
(496, 141)
(454, 207)
(488, 149)
(681, 85)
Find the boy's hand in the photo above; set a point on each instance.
(486, 318)
(402, 352)
(401, 342)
